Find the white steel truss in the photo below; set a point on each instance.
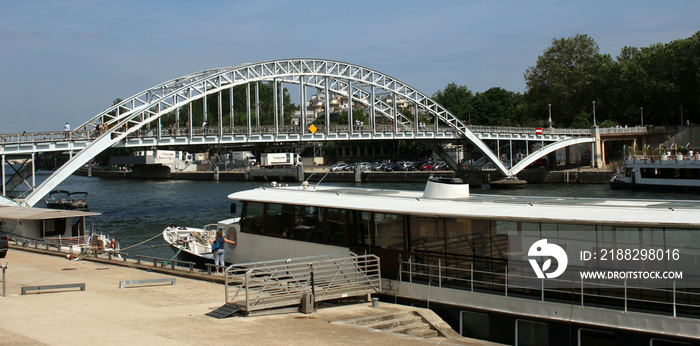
(358, 83)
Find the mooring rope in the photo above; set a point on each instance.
(143, 242)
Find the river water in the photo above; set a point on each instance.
(136, 210)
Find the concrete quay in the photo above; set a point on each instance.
(585, 175)
(162, 314)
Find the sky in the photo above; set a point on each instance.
(66, 61)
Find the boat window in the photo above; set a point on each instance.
(252, 219)
(54, 227)
(481, 238)
(388, 230)
(590, 337)
(358, 228)
(457, 236)
(335, 226)
(662, 342)
(475, 325)
(427, 233)
(531, 333)
(308, 223)
(499, 237)
(279, 219)
(685, 241)
(574, 239)
(78, 227)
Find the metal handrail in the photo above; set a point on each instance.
(24, 242)
(502, 283)
(283, 283)
(173, 262)
(62, 136)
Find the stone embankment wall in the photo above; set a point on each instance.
(535, 176)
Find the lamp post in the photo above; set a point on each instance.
(594, 123)
(641, 111)
(550, 115)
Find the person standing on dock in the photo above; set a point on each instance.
(217, 248)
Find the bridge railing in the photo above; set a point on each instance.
(169, 131)
(43, 137)
(529, 130)
(623, 130)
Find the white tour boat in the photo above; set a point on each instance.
(473, 257)
(661, 172)
(68, 230)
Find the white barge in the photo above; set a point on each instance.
(483, 261)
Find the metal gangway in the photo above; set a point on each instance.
(256, 288)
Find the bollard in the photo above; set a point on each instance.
(375, 302)
(3, 279)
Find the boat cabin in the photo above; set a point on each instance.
(45, 224)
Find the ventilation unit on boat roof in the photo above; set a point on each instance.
(446, 188)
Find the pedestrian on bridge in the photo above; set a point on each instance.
(66, 129)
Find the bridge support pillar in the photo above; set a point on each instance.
(597, 147)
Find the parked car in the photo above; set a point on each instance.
(3, 244)
(391, 167)
(338, 167)
(406, 166)
(363, 166)
(541, 162)
(440, 166)
(378, 166)
(427, 166)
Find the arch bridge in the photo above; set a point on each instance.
(138, 121)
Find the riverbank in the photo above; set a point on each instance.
(158, 314)
(584, 175)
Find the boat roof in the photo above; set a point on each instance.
(619, 212)
(30, 213)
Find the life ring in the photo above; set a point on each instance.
(652, 159)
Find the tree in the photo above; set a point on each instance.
(498, 107)
(457, 99)
(569, 76)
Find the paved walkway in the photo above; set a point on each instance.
(158, 315)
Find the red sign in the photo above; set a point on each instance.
(538, 131)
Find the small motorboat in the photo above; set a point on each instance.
(191, 244)
(194, 244)
(66, 200)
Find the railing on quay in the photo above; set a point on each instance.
(284, 283)
(626, 296)
(83, 252)
(69, 248)
(165, 262)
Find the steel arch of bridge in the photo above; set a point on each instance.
(547, 149)
(133, 113)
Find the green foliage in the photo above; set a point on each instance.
(495, 106)
(412, 149)
(457, 99)
(569, 76)
(663, 79)
(608, 123)
(582, 120)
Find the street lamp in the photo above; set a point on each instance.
(550, 115)
(594, 123)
